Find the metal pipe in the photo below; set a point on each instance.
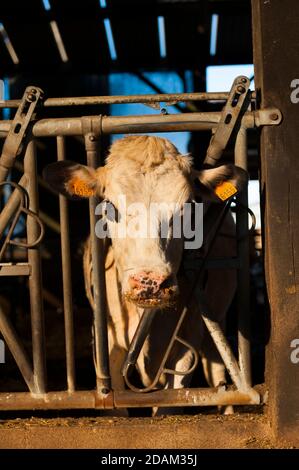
(222, 346)
(243, 274)
(138, 340)
(96, 100)
(11, 206)
(17, 350)
(35, 279)
(127, 124)
(66, 280)
(89, 399)
(98, 276)
(14, 269)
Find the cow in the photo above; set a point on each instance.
(144, 272)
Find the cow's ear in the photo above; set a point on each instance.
(221, 183)
(75, 181)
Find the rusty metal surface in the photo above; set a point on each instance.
(35, 278)
(136, 346)
(101, 353)
(91, 128)
(243, 274)
(66, 279)
(136, 124)
(14, 269)
(153, 98)
(91, 399)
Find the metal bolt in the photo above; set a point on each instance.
(274, 116)
(92, 137)
(240, 89)
(164, 111)
(31, 97)
(244, 80)
(33, 90)
(105, 391)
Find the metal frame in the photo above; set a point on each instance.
(91, 128)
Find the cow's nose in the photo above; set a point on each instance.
(149, 281)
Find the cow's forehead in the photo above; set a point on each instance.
(163, 183)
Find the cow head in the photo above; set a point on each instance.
(143, 173)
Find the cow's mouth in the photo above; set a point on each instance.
(166, 297)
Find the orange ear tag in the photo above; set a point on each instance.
(225, 190)
(80, 188)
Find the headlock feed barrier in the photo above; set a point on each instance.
(239, 114)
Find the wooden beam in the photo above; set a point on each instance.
(276, 60)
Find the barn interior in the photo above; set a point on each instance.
(118, 47)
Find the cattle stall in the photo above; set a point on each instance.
(240, 115)
(267, 110)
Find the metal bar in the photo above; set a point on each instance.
(98, 275)
(17, 350)
(11, 206)
(235, 105)
(16, 269)
(156, 89)
(243, 290)
(222, 346)
(18, 129)
(138, 340)
(127, 124)
(35, 279)
(89, 399)
(50, 222)
(152, 98)
(66, 280)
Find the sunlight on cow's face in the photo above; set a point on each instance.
(145, 172)
(147, 249)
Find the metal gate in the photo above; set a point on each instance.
(22, 131)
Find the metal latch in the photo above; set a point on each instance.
(236, 104)
(13, 142)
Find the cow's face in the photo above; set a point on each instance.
(145, 184)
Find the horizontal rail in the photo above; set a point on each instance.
(97, 100)
(14, 269)
(90, 399)
(128, 124)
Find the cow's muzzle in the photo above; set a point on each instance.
(148, 289)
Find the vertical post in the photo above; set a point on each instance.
(35, 278)
(66, 279)
(98, 280)
(243, 275)
(276, 59)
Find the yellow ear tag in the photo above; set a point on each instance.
(80, 188)
(225, 190)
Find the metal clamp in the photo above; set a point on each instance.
(23, 208)
(137, 343)
(236, 105)
(17, 132)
